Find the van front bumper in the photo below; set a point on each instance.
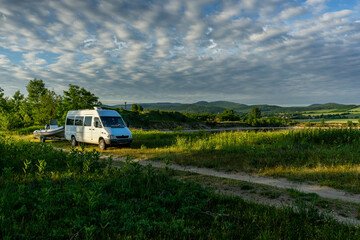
(119, 141)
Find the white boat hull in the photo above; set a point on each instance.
(56, 132)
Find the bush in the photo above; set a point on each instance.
(229, 115)
(9, 121)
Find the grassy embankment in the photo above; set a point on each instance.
(48, 194)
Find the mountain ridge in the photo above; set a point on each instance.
(220, 106)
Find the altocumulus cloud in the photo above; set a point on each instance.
(249, 51)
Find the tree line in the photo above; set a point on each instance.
(254, 118)
(41, 105)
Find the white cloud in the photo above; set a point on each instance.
(31, 60)
(330, 16)
(4, 61)
(268, 33)
(291, 12)
(182, 49)
(316, 6)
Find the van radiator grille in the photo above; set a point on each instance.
(122, 136)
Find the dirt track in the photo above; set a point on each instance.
(322, 191)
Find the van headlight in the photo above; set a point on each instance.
(112, 137)
(130, 135)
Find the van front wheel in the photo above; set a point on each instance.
(102, 144)
(73, 141)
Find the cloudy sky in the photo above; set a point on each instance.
(249, 51)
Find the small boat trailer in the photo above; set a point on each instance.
(52, 131)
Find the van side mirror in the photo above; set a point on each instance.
(127, 125)
(96, 124)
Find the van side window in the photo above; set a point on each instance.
(97, 123)
(87, 121)
(79, 121)
(70, 121)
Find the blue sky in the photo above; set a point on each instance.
(249, 51)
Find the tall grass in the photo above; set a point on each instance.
(226, 140)
(229, 141)
(281, 153)
(283, 148)
(293, 154)
(48, 194)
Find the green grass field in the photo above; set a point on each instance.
(50, 194)
(332, 121)
(355, 110)
(352, 115)
(329, 157)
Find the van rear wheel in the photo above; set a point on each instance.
(102, 144)
(74, 143)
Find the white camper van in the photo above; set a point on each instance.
(98, 126)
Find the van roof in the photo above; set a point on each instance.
(100, 112)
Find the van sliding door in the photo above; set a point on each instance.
(88, 129)
(96, 133)
(79, 128)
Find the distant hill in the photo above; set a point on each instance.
(223, 104)
(211, 107)
(188, 108)
(326, 106)
(220, 106)
(144, 105)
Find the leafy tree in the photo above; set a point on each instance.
(42, 102)
(79, 98)
(36, 89)
(229, 115)
(10, 117)
(76, 98)
(17, 99)
(255, 113)
(134, 107)
(2, 100)
(9, 120)
(20, 109)
(25, 112)
(254, 117)
(47, 108)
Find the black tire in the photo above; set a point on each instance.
(102, 144)
(74, 143)
(42, 139)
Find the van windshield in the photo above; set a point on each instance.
(113, 122)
